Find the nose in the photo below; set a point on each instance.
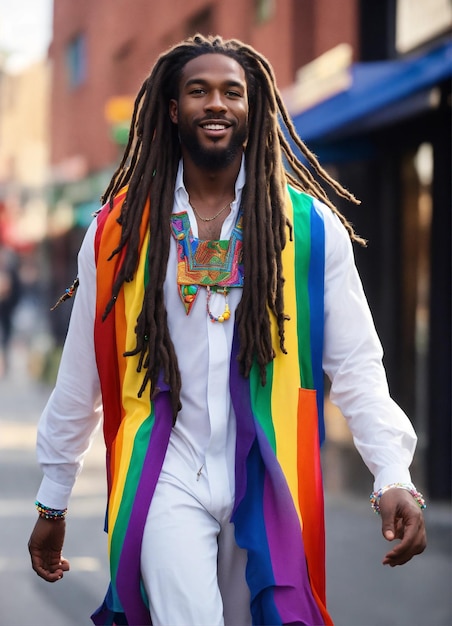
(215, 102)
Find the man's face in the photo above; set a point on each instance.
(212, 110)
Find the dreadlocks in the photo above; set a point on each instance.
(149, 168)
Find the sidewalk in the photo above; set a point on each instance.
(361, 592)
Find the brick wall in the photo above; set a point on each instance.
(121, 40)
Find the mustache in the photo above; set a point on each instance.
(215, 118)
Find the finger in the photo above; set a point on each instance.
(394, 533)
(400, 555)
(395, 507)
(392, 527)
(388, 526)
(413, 542)
(51, 572)
(65, 565)
(50, 577)
(394, 557)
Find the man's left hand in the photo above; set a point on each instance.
(402, 518)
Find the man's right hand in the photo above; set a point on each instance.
(45, 546)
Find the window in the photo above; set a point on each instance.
(200, 23)
(264, 10)
(76, 61)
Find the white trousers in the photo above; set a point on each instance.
(192, 569)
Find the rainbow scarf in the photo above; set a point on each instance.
(278, 512)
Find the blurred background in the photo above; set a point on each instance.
(368, 86)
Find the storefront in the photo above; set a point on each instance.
(387, 137)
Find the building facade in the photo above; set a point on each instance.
(24, 155)
(102, 51)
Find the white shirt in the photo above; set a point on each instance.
(204, 435)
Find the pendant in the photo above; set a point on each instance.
(226, 313)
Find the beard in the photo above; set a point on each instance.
(214, 158)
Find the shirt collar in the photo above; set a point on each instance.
(181, 195)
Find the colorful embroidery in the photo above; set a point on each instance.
(217, 263)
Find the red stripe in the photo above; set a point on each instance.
(107, 239)
(110, 334)
(310, 494)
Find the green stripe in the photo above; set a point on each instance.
(261, 397)
(134, 471)
(140, 447)
(261, 401)
(302, 231)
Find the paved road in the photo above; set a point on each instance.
(361, 591)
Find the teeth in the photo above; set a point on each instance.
(214, 126)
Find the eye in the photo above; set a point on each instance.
(197, 91)
(233, 94)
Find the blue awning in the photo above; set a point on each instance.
(380, 92)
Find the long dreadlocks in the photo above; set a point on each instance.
(149, 168)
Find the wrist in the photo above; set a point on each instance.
(375, 497)
(45, 512)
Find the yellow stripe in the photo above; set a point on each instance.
(286, 377)
(136, 409)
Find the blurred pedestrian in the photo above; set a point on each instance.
(215, 288)
(9, 298)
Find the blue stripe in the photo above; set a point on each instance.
(316, 287)
(250, 533)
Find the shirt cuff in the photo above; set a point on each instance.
(392, 474)
(53, 495)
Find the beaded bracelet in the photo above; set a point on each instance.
(47, 513)
(376, 495)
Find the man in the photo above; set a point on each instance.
(212, 282)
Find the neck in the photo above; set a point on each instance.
(209, 191)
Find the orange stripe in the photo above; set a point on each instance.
(111, 337)
(310, 493)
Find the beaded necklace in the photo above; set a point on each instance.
(213, 264)
(226, 313)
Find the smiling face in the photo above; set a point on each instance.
(212, 111)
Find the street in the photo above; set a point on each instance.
(361, 591)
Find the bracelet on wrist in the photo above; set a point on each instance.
(376, 495)
(48, 513)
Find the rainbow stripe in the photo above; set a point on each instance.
(136, 431)
(278, 514)
(279, 494)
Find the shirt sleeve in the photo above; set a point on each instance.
(382, 433)
(74, 410)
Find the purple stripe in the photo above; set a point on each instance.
(292, 594)
(128, 579)
(246, 430)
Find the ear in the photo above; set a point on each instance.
(173, 111)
